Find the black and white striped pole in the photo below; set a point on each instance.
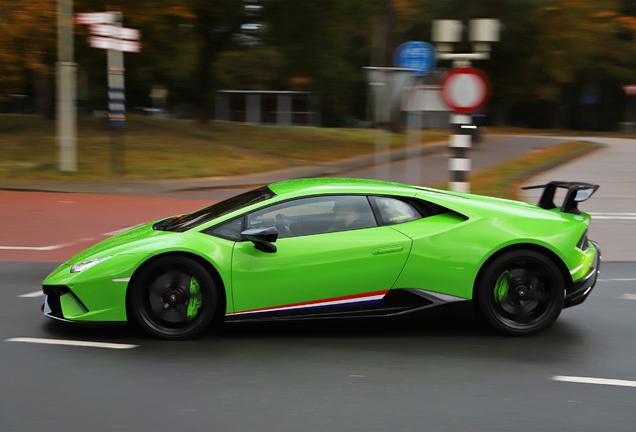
(460, 142)
(463, 89)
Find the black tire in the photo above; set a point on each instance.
(173, 297)
(521, 293)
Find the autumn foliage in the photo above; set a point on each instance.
(553, 54)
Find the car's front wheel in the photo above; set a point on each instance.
(173, 297)
(521, 293)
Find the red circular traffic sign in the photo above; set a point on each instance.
(464, 89)
(630, 90)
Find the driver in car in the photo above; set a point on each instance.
(348, 216)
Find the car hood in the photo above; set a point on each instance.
(120, 243)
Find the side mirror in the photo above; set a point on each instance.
(262, 238)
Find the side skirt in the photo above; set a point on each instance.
(394, 303)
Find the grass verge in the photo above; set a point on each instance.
(504, 180)
(164, 149)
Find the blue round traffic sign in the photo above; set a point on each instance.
(419, 56)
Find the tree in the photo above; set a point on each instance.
(254, 68)
(27, 50)
(325, 44)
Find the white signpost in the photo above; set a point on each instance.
(110, 35)
(112, 31)
(95, 18)
(114, 44)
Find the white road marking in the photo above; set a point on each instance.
(618, 216)
(47, 248)
(628, 296)
(33, 294)
(615, 217)
(72, 343)
(611, 214)
(36, 248)
(601, 381)
(618, 279)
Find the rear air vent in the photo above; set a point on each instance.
(583, 244)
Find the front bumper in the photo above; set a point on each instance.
(60, 300)
(52, 307)
(97, 294)
(581, 288)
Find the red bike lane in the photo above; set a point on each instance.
(53, 227)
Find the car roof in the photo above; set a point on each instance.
(338, 185)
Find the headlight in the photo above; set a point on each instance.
(80, 267)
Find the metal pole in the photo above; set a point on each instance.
(414, 149)
(66, 72)
(382, 136)
(382, 153)
(116, 105)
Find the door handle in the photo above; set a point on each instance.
(387, 249)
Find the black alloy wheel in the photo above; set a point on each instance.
(521, 293)
(173, 297)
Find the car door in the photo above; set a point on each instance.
(320, 260)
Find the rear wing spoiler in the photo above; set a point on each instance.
(577, 192)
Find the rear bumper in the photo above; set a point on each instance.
(581, 288)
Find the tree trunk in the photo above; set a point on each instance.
(205, 27)
(43, 89)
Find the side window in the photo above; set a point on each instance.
(394, 211)
(228, 230)
(316, 215)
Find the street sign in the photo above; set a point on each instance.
(114, 44)
(115, 32)
(419, 56)
(465, 90)
(94, 18)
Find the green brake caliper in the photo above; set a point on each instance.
(194, 304)
(501, 286)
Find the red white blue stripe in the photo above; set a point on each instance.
(352, 300)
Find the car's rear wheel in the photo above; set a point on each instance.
(173, 297)
(521, 293)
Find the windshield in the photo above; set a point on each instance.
(188, 221)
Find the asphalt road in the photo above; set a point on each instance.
(433, 169)
(438, 371)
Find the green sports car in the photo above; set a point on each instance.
(337, 248)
